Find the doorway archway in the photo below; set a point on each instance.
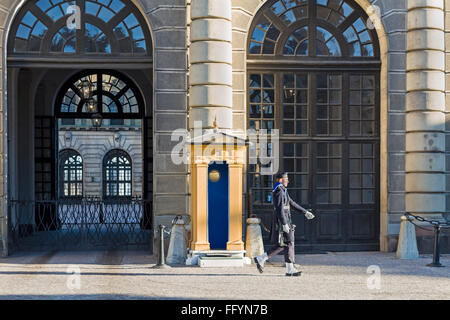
(44, 52)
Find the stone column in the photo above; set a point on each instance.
(211, 93)
(425, 106)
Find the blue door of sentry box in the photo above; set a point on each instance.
(218, 205)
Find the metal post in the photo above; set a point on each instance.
(161, 259)
(436, 263)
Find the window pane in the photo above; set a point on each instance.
(288, 165)
(268, 80)
(302, 150)
(288, 127)
(255, 81)
(288, 149)
(255, 111)
(288, 112)
(268, 47)
(288, 80)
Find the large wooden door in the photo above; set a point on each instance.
(329, 144)
(313, 70)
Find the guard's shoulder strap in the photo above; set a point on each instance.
(276, 187)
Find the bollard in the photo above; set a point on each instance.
(161, 260)
(177, 246)
(407, 242)
(254, 245)
(436, 262)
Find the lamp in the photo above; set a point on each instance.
(97, 120)
(86, 88)
(288, 93)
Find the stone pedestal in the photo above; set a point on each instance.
(177, 246)
(407, 242)
(254, 245)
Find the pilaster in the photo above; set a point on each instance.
(199, 207)
(425, 107)
(235, 231)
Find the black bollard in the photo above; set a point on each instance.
(161, 257)
(436, 262)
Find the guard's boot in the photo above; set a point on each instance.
(259, 261)
(291, 271)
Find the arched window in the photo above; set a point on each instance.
(114, 96)
(71, 174)
(117, 174)
(332, 28)
(112, 27)
(313, 74)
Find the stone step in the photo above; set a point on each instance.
(218, 255)
(220, 262)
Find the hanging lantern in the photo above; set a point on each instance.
(97, 120)
(91, 105)
(288, 93)
(86, 88)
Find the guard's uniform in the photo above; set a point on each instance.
(282, 203)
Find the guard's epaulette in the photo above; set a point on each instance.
(274, 189)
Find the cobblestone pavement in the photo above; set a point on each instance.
(128, 275)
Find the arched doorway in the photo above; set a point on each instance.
(110, 48)
(313, 69)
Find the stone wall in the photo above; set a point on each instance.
(167, 22)
(393, 84)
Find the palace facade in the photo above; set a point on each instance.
(92, 91)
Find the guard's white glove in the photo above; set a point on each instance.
(309, 215)
(286, 228)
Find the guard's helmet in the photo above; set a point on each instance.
(281, 175)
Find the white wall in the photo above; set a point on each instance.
(94, 145)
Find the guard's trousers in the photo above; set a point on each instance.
(288, 251)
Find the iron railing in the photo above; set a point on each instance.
(80, 224)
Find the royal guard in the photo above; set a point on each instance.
(282, 231)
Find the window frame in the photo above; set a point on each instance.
(117, 153)
(312, 137)
(80, 114)
(277, 64)
(311, 21)
(81, 42)
(63, 156)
